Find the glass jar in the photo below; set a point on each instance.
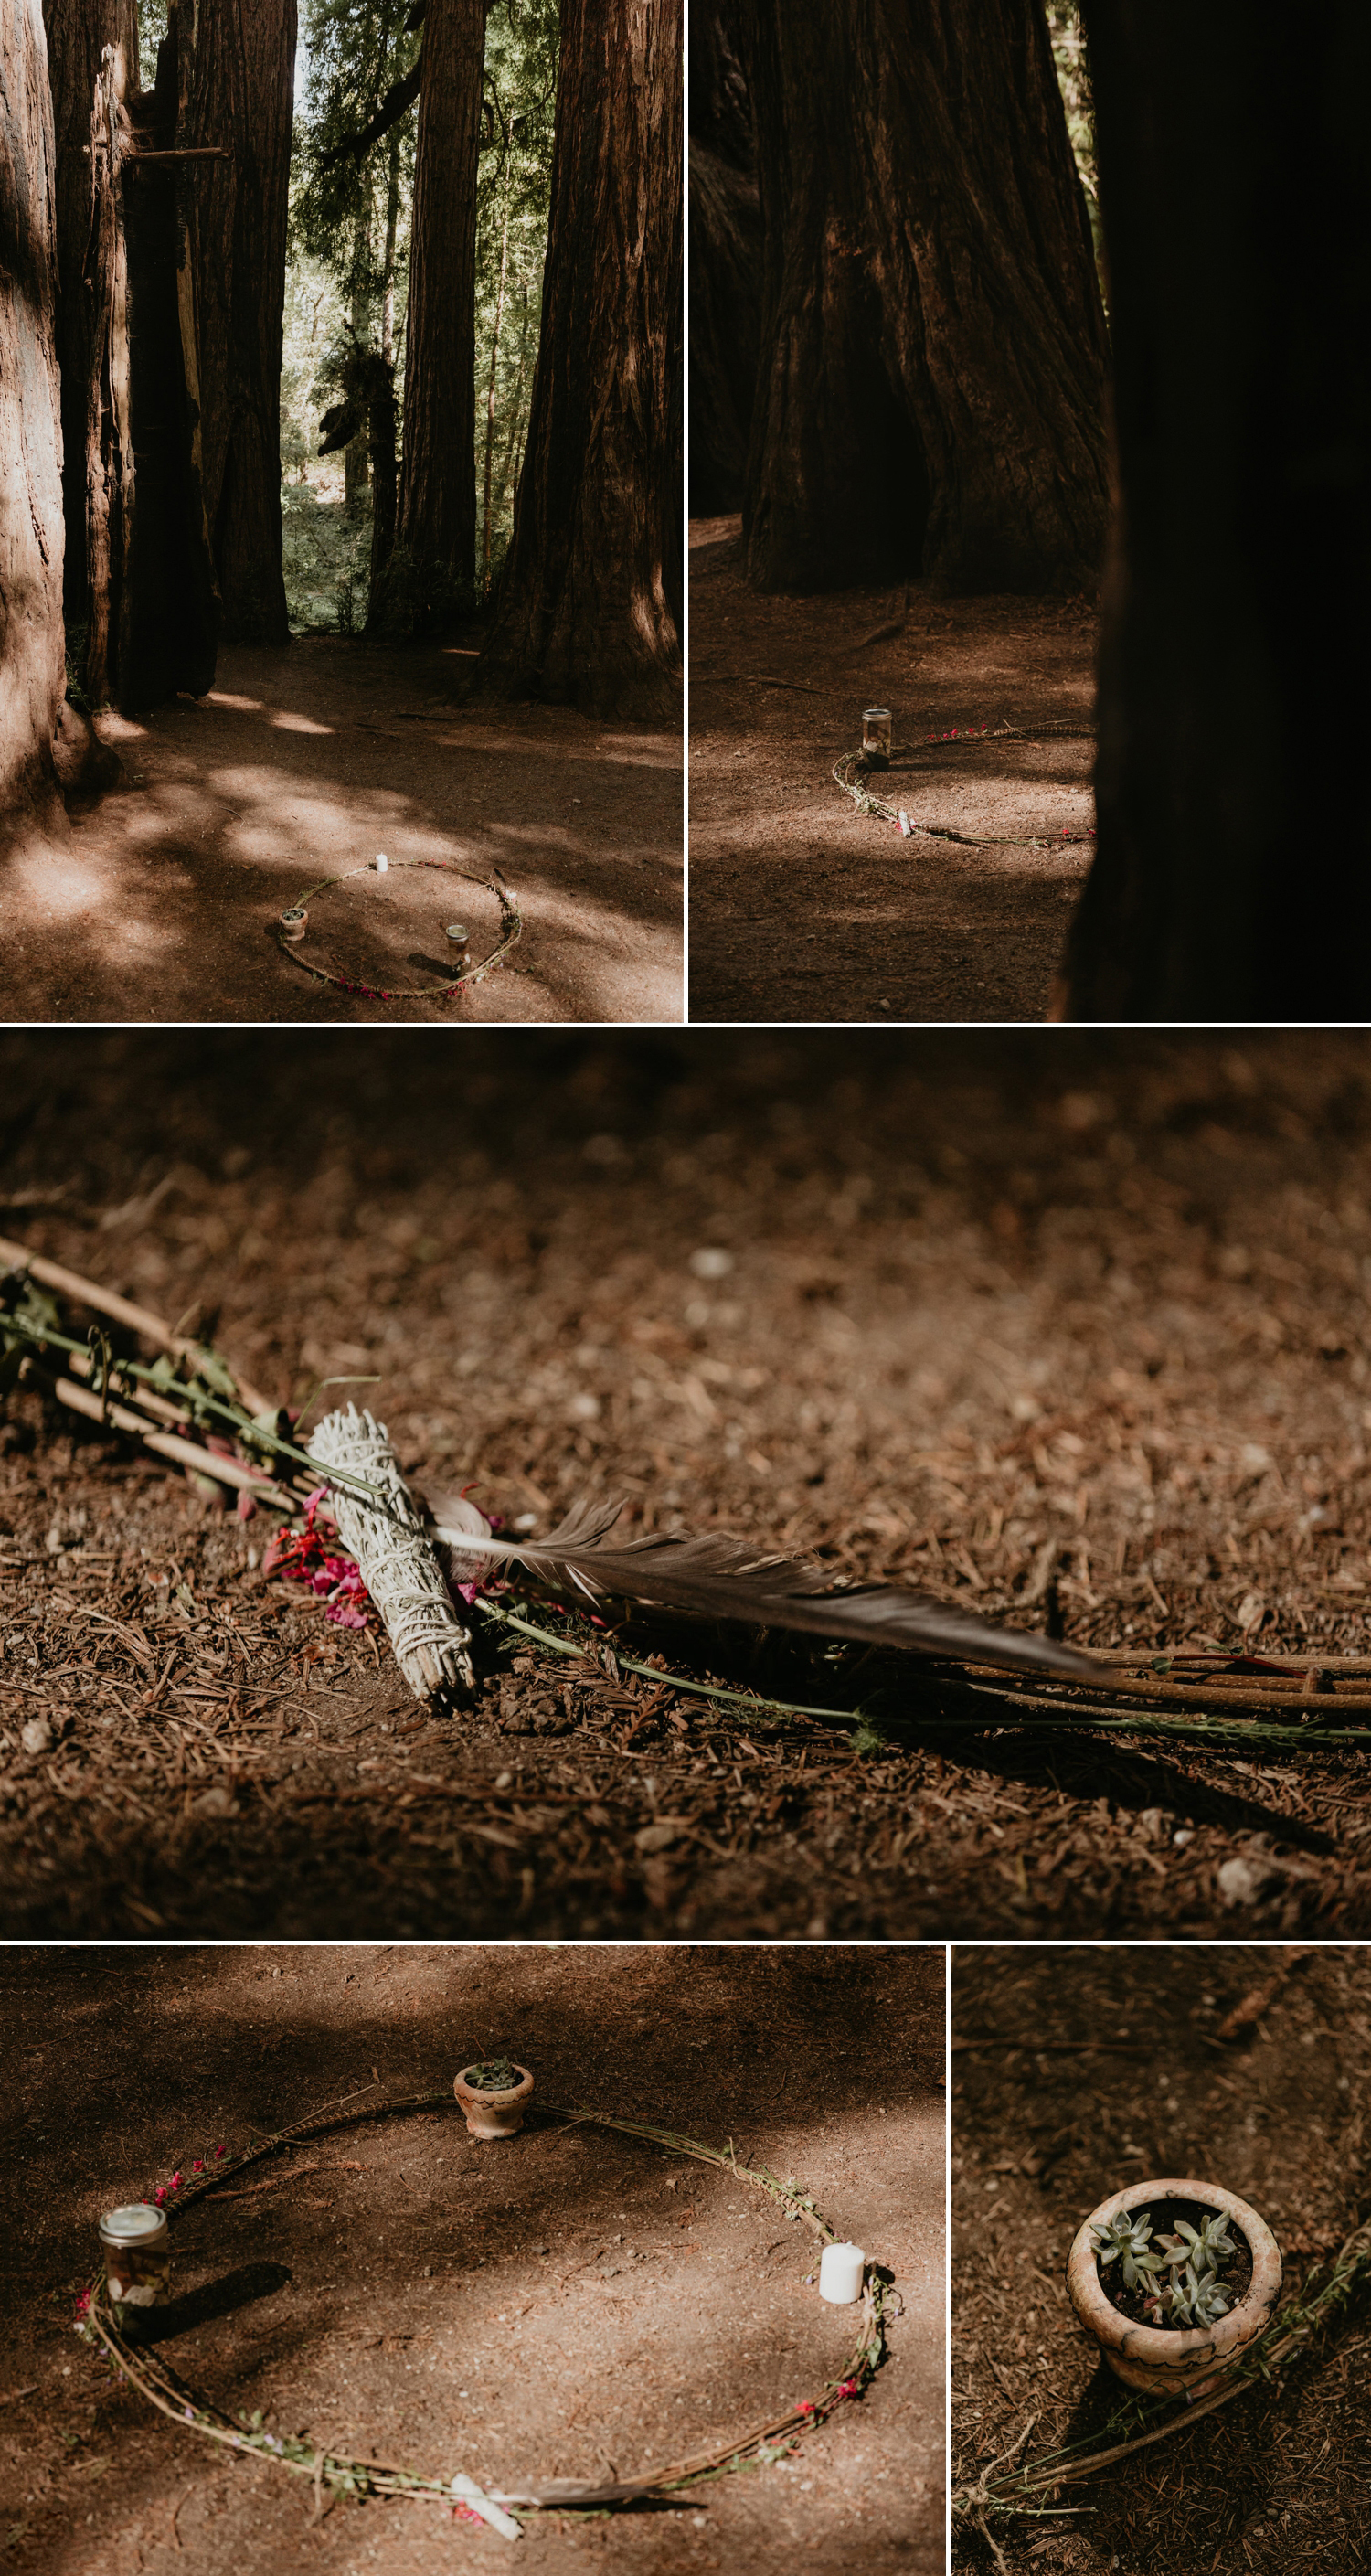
(137, 2249)
(876, 736)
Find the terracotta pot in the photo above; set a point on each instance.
(493, 2115)
(1167, 2361)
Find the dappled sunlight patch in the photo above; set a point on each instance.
(286, 723)
(239, 706)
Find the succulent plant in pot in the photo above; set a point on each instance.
(1174, 2279)
(494, 2093)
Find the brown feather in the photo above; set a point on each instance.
(722, 1578)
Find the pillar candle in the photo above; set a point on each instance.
(840, 2274)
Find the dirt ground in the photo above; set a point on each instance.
(963, 1311)
(540, 2306)
(1076, 2071)
(305, 762)
(803, 909)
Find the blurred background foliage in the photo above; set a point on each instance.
(348, 264)
(1072, 58)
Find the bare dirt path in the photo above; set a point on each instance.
(969, 1312)
(308, 761)
(1045, 2124)
(534, 2308)
(803, 909)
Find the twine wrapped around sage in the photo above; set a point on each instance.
(395, 1554)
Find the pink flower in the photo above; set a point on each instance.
(219, 2151)
(199, 2165)
(805, 2407)
(83, 2303)
(176, 2182)
(160, 2194)
(847, 2388)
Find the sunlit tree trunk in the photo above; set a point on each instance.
(31, 647)
(590, 600)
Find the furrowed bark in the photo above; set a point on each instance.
(437, 513)
(930, 396)
(589, 603)
(241, 94)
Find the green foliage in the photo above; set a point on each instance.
(494, 2075)
(347, 259)
(1194, 2294)
(1070, 53)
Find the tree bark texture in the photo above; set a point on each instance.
(152, 608)
(931, 389)
(31, 641)
(437, 522)
(77, 33)
(1230, 878)
(725, 263)
(590, 601)
(242, 58)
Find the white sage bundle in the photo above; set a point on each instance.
(394, 1554)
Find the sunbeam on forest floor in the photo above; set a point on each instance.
(804, 909)
(304, 763)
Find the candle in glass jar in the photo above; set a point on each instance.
(137, 2250)
(840, 2274)
(876, 736)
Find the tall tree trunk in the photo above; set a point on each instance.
(1226, 885)
(933, 361)
(494, 362)
(153, 612)
(388, 274)
(589, 607)
(31, 647)
(77, 34)
(725, 262)
(437, 523)
(244, 60)
(356, 452)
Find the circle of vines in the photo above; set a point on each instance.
(334, 2472)
(511, 927)
(853, 770)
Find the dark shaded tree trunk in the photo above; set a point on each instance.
(725, 265)
(241, 95)
(1230, 878)
(152, 607)
(77, 34)
(31, 645)
(437, 522)
(931, 389)
(589, 604)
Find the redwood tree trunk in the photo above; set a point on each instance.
(437, 524)
(77, 34)
(725, 263)
(1226, 883)
(589, 604)
(31, 663)
(931, 389)
(241, 94)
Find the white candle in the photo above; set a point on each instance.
(840, 2274)
(382, 863)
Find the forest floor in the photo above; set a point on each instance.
(966, 1312)
(307, 761)
(1076, 2072)
(351, 2289)
(803, 909)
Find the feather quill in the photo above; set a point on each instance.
(722, 1578)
